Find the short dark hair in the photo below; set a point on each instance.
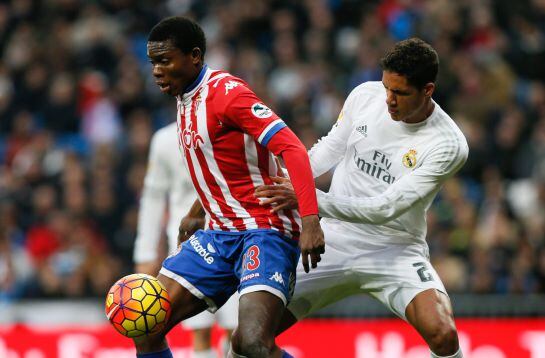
(184, 33)
(414, 59)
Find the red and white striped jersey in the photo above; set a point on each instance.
(223, 131)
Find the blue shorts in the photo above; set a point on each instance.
(214, 264)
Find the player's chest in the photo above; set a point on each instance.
(201, 129)
(383, 153)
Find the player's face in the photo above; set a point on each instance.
(173, 70)
(406, 102)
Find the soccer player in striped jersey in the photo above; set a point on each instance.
(227, 138)
(167, 178)
(393, 148)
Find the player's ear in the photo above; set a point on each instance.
(196, 55)
(429, 88)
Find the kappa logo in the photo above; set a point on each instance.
(261, 111)
(230, 85)
(362, 130)
(277, 277)
(249, 276)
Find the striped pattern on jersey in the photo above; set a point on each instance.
(225, 154)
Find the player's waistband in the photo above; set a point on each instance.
(292, 236)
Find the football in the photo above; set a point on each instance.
(137, 304)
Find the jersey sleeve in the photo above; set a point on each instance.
(425, 180)
(244, 110)
(157, 183)
(330, 149)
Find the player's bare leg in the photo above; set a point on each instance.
(183, 304)
(258, 319)
(201, 343)
(288, 320)
(430, 313)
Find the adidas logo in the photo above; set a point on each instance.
(362, 130)
(277, 277)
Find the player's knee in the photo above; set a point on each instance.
(250, 344)
(150, 343)
(444, 339)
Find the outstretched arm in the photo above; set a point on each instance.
(400, 196)
(294, 154)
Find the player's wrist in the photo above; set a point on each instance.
(311, 219)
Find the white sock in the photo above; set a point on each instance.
(209, 353)
(455, 355)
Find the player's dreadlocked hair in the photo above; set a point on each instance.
(414, 59)
(185, 33)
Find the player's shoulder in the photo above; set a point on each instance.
(224, 84)
(370, 88)
(365, 92)
(166, 131)
(448, 134)
(165, 138)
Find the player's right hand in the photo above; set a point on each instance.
(311, 242)
(188, 226)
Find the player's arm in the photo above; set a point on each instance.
(245, 111)
(152, 209)
(330, 149)
(395, 201)
(399, 197)
(284, 143)
(191, 222)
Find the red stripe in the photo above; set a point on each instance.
(191, 167)
(264, 157)
(210, 179)
(238, 177)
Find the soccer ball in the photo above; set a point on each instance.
(138, 304)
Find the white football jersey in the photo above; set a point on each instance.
(388, 172)
(166, 175)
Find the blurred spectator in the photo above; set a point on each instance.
(78, 107)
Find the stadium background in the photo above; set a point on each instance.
(78, 107)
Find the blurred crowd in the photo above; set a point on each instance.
(78, 107)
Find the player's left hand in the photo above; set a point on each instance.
(188, 226)
(281, 196)
(311, 242)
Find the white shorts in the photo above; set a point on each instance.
(226, 316)
(352, 264)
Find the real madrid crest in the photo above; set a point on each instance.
(409, 159)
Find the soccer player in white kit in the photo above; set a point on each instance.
(166, 176)
(393, 147)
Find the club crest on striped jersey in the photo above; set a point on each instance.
(190, 138)
(409, 159)
(261, 111)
